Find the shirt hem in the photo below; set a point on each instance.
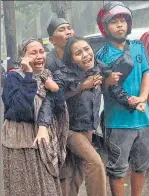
(124, 127)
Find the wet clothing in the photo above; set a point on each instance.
(53, 62)
(84, 107)
(131, 148)
(127, 133)
(116, 116)
(22, 96)
(19, 97)
(72, 173)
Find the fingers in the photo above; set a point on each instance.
(97, 82)
(141, 107)
(47, 140)
(116, 76)
(38, 140)
(97, 79)
(34, 143)
(118, 73)
(132, 100)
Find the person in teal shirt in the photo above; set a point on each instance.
(127, 133)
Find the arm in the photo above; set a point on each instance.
(18, 94)
(121, 96)
(144, 89)
(51, 85)
(45, 113)
(145, 86)
(90, 82)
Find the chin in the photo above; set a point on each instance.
(39, 69)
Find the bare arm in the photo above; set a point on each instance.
(145, 86)
(51, 85)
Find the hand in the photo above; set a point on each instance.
(91, 82)
(51, 85)
(26, 64)
(42, 134)
(133, 100)
(113, 78)
(97, 78)
(141, 107)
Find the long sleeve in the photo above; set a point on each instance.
(121, 96)
(53, 104)
(18, 96)
(116, 91)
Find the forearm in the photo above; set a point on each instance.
(120, 96)
(45, 113)
(51, 85)
(145, 86)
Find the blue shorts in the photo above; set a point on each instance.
(127, 147)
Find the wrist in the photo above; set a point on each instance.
(82, 87)
(144, 98)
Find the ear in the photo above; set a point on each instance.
(52, 40)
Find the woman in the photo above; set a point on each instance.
(31, 168)
(83, 111)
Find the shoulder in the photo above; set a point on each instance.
(14, 74)
(136, 43)
(50, 58)
(53, 62)
(100, 53)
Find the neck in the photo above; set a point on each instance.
(120, 46)
(38, 72)
(60, 52)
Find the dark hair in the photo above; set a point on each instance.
(67, 58)
(55, 22)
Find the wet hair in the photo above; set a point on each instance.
(55, 22)
(67, 58)
(145, 40)
(23, 47)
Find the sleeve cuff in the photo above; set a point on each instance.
(43, 124)
(29, 77)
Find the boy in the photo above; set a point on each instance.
(127, 134)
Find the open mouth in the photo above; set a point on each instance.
(39, 64)
(88, 60)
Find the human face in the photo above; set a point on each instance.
(61, 35)
(82, 55)
(118, 27)
(36, 52)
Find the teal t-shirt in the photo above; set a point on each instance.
(116, 116)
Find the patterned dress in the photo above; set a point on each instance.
(28, 170)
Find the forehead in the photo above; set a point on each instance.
(119, 16)
(34, 46)
(79, 44)
(62, 26)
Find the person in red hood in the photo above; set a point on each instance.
(145, 40)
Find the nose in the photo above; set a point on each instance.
(119, 24)
(68, 31)
(39, 55)
(85, 54)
